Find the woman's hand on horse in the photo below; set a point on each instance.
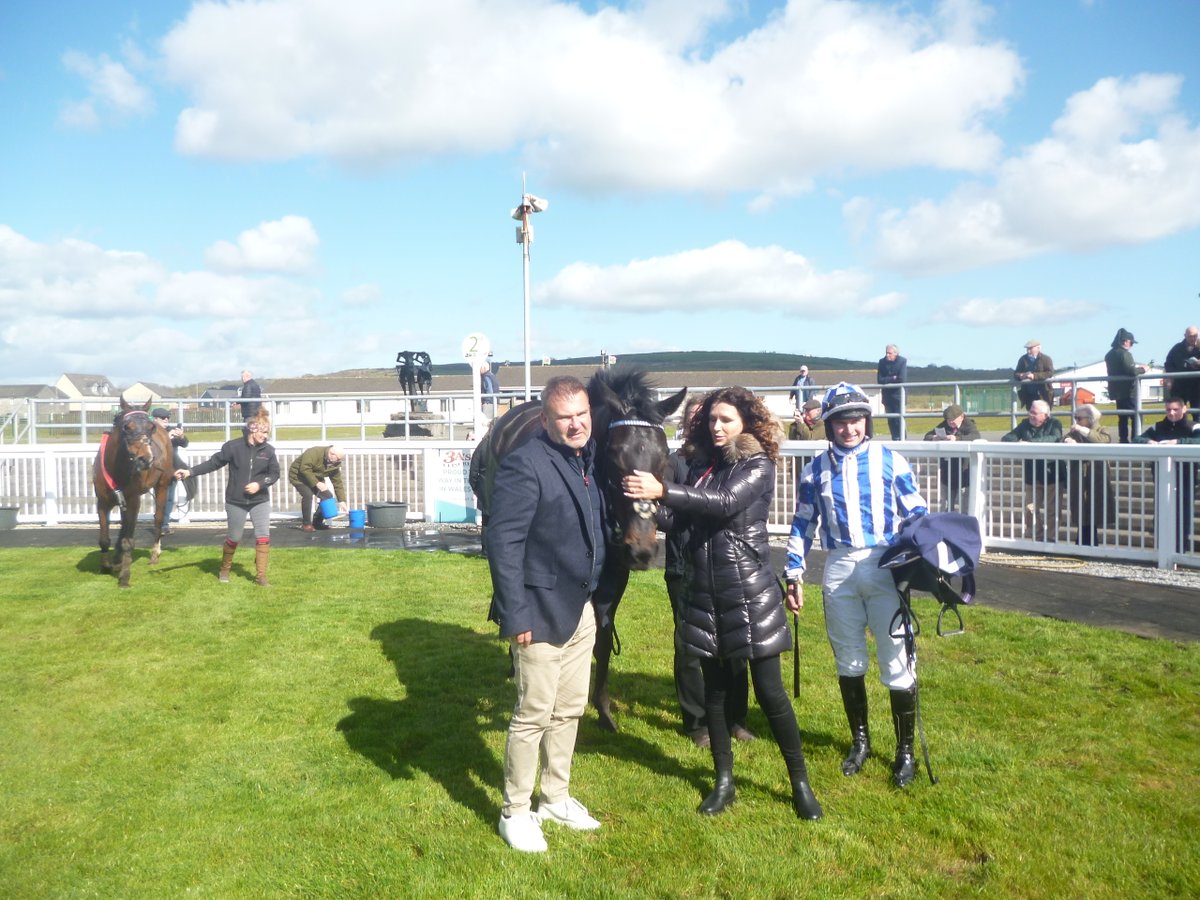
(642, 486)
(795, 596)
(181, 474)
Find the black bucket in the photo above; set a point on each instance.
(387, 514)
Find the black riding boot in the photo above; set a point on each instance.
(854, 699)
(804, 801)
(723, 792)
(904, 715)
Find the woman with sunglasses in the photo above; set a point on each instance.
(253, 468)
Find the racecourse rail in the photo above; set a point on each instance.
(1131, 503)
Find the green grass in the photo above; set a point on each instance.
(341, 735)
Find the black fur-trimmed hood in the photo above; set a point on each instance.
(743, 446)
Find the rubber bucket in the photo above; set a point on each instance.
(358, 518)
(329, 508)
(387, 515)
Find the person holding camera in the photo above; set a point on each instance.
(178, 440)
(316, 474)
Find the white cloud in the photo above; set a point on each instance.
(362, 295)
(726, 276)
(72, 306)
(284, 245)
(112, 91)
(1036, 311)
(613, 99)
(1121, 167)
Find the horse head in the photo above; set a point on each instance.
(628, 426)
(136, 432)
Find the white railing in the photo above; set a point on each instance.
(1115, 502)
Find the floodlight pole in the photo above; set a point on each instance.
(526, 240)
(529, 205)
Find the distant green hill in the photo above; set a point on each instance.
(733, 361)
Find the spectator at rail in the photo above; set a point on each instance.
(802, 388)
(954, 473)
(249, 391)
(1122, 381)
(489, 387)
(316, 474)
(893, 369)
(1033, 373)
(1040, 475)
(1178, 428)
(805, 422)
(1087, 480)
(1182, 358)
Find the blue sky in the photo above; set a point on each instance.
(304, 186)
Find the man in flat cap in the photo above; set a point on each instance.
(1032, 374)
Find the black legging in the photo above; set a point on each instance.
(767, 677)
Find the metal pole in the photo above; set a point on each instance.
(525, 275)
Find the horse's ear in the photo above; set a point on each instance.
(605, 394)
(668, 406)
(125, 407)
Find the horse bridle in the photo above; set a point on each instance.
(643, 509)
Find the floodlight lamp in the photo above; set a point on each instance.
(536, 204)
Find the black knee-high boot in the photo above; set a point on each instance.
(724, 792)
(904, 715)
(854, 699)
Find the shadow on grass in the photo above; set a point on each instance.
(140, 566)
(456, 691)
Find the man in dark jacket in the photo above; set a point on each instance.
(1184, 357)
(1122, 381)
(893, 369)
(954, 473)
(1041, 475)
(545, 547)
(1178, 428)
(249, 392)
(1033, 373)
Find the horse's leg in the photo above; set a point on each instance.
(613, 579)
(160, 516)
(103, 511)
(128, 522)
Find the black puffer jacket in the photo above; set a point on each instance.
(735, 606)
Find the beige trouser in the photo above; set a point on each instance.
(1041, 516)
(552, 691)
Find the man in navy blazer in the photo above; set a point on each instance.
(545, 546)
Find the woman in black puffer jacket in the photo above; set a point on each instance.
(734, 610)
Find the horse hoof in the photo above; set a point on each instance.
(605, 720)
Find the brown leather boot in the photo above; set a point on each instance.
(226, 561)
(262, 554)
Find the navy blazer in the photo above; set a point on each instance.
(545, 540)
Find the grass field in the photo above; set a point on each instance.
(341, 735)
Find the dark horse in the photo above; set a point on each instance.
(133, 458)
(627, 427)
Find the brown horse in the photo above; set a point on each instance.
(134, 457)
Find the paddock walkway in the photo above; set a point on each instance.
(1150, 610)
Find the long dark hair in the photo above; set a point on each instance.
(756, 420)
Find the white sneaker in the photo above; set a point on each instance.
(523, 833)
(569, 812)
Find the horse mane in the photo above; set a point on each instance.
(624, 393)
